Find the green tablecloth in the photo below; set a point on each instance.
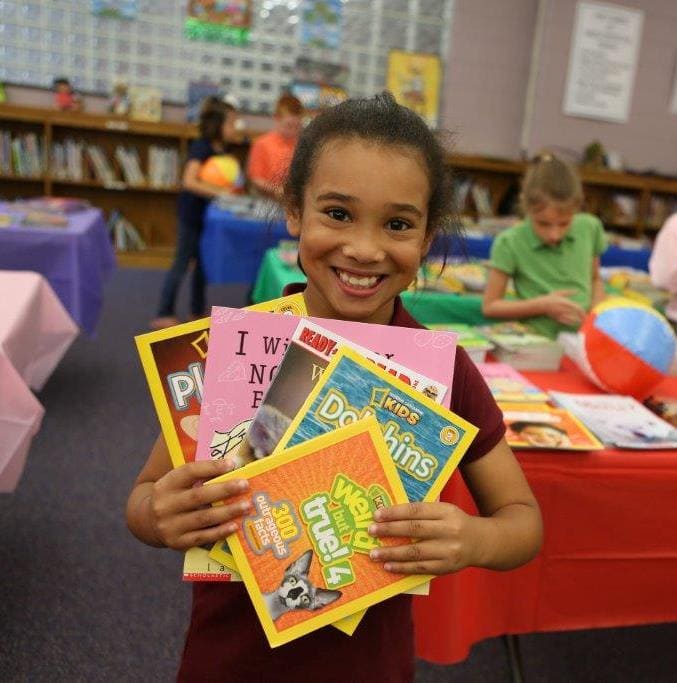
(426, 307)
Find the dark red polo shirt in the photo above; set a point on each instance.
(225, 641)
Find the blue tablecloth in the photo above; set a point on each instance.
(232, 247)
(479, 247)
(75, 260)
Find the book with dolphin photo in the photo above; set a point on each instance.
(303, 549)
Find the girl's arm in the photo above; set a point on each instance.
(555, 305)
(508, 533)
(170, 508)
(598, 293)
(190, 181)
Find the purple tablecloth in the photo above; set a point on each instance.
(75, 260)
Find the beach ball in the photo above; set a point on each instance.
(628, 346)
(222, 170)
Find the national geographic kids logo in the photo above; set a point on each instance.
(449, 435)
(393, 404)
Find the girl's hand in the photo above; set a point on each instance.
(445, 538)
(180, 507)
(559, 307)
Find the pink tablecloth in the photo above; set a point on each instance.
(35, 331)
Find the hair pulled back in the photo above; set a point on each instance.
(550, 179)
(379, 120)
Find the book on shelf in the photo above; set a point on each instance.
(145, 103)
(621, 209)
(100, 165)
(21, 154)
(541, 426)
(522, 348)
(619, 421)
(124, 234)
(481, 195)
(130, 165)
(507, 384)
(303, 550)
(163, 166)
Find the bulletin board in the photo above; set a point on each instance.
(41, 39)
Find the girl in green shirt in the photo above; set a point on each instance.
(552, 256)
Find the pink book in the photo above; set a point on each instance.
(246, 347)
(507, 384)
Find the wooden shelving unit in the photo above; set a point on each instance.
(153, 209)
(600, 187)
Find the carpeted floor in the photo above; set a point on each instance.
(81, 600)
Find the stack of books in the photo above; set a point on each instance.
(518, 346)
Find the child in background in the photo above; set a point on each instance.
(552, 256)
(367, 192)
(271, 153)
(663, 265)
(218, 127)
(65, 98)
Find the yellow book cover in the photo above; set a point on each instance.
(303, 550)
(539, 425)
(173, 362)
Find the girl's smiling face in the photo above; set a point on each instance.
(362, 228)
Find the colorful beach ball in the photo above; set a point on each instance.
(222, 170)
(628, 346)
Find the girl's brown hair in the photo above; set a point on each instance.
(288, 105)
(212, 115)
(550, 179)
(379, 120)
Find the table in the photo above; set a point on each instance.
(76, 260)
(479, 247)
(35, 331)
(609, 556)
(427, 307)
(232, 247)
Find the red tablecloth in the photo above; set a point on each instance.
(609, 557)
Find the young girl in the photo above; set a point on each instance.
(271, 153)
(366, 193)
(217, 127)
(552, 257)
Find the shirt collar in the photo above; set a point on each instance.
(401, 317)
(535, 242)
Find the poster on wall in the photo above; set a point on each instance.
(602, 61)
(321, 24)
(414, 80)
(218, 21)
(115, 9)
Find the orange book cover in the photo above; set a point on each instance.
(303, 549)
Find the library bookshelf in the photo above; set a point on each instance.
(151, 207)
(647, 199)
